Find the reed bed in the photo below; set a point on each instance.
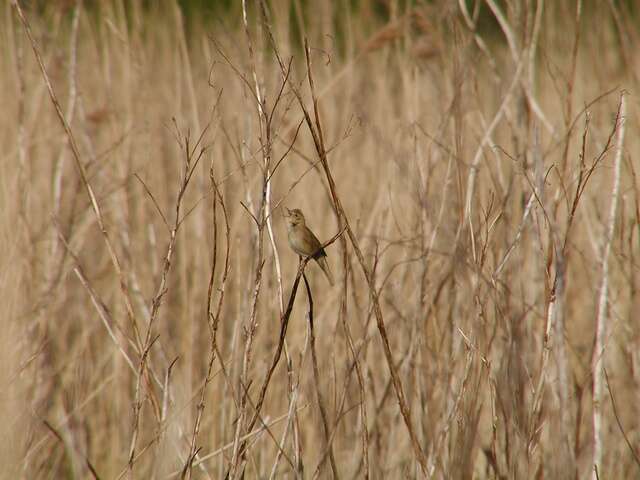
(473, 167)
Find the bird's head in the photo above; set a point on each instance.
(294, 217)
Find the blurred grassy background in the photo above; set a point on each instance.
(438, 132)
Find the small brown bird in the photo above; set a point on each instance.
(304, 242)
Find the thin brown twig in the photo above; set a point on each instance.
(212, 318)
(155, 202)
(57, 434)
(316, 378)
(315, 129)
(84, 178)
(633, 451)
(284, 323)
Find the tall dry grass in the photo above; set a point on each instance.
(479, 168)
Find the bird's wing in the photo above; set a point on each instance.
(317, 246)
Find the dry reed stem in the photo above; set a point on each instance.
(284, 323)
(266, 119)
(213, 319)
(69, 115)
(635, 455)
(84, 178)
(517, 57)
(248, 436)
(316, 132)
(59, 436)
(292, 419)
(316, 380)
(192, 158)
(598, 364)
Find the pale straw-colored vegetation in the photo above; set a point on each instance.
(473, 163)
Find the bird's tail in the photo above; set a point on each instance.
(324, 265)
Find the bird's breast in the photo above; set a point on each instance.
(297, 243)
